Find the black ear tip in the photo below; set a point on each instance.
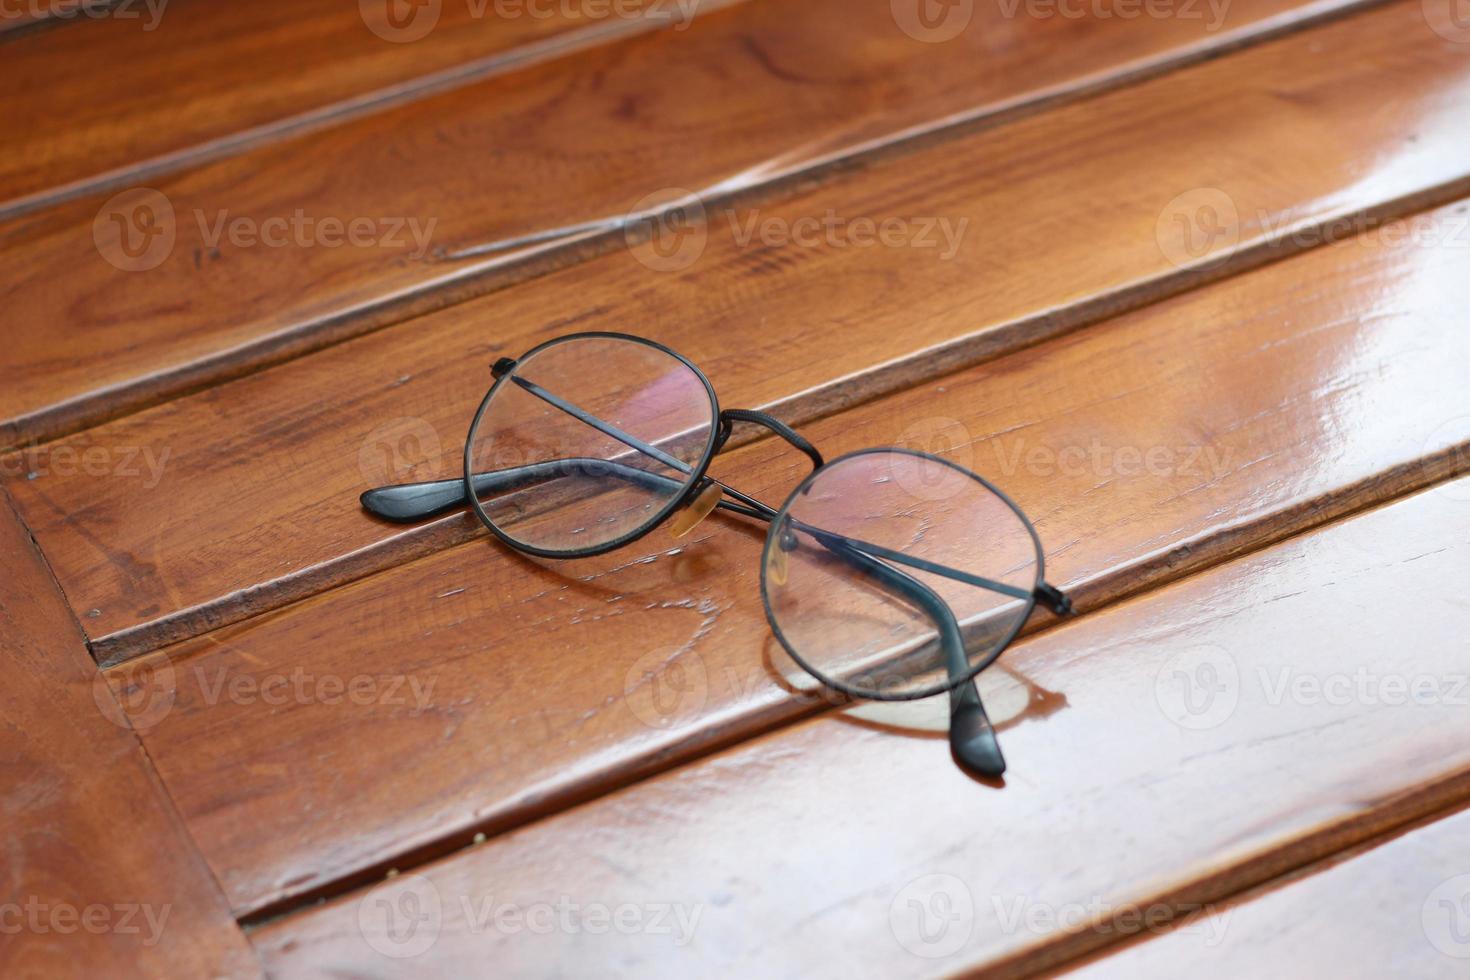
(380, 502)
(974, 744)
(408, 503)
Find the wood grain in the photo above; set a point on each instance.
(1394, 909)
(99, 877)
(256, 72)
(26, 18)
(242, 498)
(210, 273)
(813, 851)
(1145, 447)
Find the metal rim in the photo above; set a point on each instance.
(695, 476)
(933, 690)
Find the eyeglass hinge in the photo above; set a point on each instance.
(503, 366)
(1055, 599)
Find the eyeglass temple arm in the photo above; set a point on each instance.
(1053, 598)
(409, 503)
(972, 738)
(730, 416)
(414, 502)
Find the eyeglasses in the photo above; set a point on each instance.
(887, 574)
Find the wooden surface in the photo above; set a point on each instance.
(1188, 284)
(1339, 353)
(99, 876)
(1395, 909)
(396, 405)
(257, 72)
(26, 18)
(831, 828)
(555, 145)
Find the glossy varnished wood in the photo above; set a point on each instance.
(1396, 909)
(812, 851)
(255, 72)
(99, 877)
(244, 497)
(1145, 447)
(570, 141)
(26, 19)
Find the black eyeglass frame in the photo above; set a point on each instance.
(504, 370)
(972, 737)
(972, 670)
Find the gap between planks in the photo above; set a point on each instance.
(22, 27)
(101, 405)
(401, 93)
(1156, 572)
(802, 409)
(1247, 893)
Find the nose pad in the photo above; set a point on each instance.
(777, 567)
(690, 517)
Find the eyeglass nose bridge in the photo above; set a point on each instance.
(730, 416)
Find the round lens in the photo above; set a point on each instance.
(894, 575)
(588, 442)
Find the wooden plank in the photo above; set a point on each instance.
(193, 80)
(151, 553)
(100, 878)
(1395, 909)
(25, 18)
(247, 260)
(483, 706)
(813, 851)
